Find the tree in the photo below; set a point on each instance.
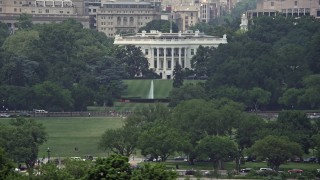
(295, 125)
(290, 98)
(186, 92)
(4, 32)
(120, 141)
(22, 43)
(195, 119)
(258, 96)
(316, 141)
(114, 167)
(153, 172)
(161, 140)
(133, 60)
(108, 74)
(218, 149)
(51, 96)
(160, 25)
(6, 165)
(21, 140)
(24, 21)
(248, 129)
(276, 150)
(200, 61)
(177, 76)
(82, 97)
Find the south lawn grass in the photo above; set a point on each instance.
(64, 134)
(140, 88)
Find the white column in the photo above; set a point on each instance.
(180, 56)
(165, 59)
(185, 57)
(158, 60)
(172, 60)
(152, 58)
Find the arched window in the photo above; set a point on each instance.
(131, 20)
(125, 21)
(118, 20)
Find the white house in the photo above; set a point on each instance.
(164, 50)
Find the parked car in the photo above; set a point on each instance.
(180, 158)
(40, 111)
(245, 170)
(5, 115)
(310, 160)
(295, 171)
(190, 172)
(266, 169)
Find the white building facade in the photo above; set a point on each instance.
(164, 50)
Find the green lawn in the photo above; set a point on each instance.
(140, 88)
(64, 134)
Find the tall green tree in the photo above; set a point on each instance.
(177, 76)
(200, 61)
(276, 149)
(6, 165)
(186, 92)
(248, 129)
(24, 21)
(4, 32)
(160, 25)
(257, 97)
(28, 136)
(51, 96)
(120, 141)
(114, 167)
(161, 140)
(218, 149)
(153, 172)
(133, 60)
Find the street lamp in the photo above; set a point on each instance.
(48, 151)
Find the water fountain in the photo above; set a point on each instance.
(151, 91)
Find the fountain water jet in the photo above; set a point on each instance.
(150, 95)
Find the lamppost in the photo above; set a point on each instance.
(239, 159)
(48, 151)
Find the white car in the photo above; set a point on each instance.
(4, 115)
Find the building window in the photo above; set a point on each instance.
(94, 10)
(0, 9)
(47, 10)
(272, 3)
(15, 9)
(15, 2)
(192, 51)
(318, 13)
(296, 3)
(39, 11)
(61, 12)
(125, 20)
(146, 52)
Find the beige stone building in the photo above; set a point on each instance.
(118, 17)
(186, 16)
(293, 8)
(44, 11)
